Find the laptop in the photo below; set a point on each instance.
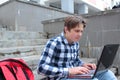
(105, 61)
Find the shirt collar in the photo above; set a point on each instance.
(64, 40)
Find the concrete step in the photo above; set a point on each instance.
(118, 77)
(21, 51)
(22, 42)
(2, 29)
(32, 61)
(11, 35)
(38, 76)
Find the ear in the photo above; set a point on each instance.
(65, 29)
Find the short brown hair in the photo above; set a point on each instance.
(73, 21)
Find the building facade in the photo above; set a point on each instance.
(78, 6)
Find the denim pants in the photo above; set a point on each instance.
(106, 75)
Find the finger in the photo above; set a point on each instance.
(93, 66)
(89, 67)
(85, 70)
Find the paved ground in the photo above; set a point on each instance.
(118, 77)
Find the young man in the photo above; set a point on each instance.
(60, 57)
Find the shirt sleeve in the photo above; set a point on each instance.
(45, 64)
(80, 62)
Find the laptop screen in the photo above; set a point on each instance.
(107, 56)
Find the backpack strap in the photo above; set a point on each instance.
(19, 68)
(20, 74)
(7, 73)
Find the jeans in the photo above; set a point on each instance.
(106, 75)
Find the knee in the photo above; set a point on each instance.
(107, 75)
(95, 79)
(111, 75)
(110, 72)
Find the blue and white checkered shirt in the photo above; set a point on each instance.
(58, 56)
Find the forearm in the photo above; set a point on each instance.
(52, 71)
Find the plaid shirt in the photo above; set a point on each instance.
(58, 56)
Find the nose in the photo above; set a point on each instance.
(80, 34)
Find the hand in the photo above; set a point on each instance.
(78, 70)
(89, 66)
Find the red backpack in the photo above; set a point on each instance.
(15, 69)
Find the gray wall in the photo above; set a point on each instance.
(26, 16)
(102, 28)
(53, 27)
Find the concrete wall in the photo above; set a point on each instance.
(26, 16)
(53, 27)
(102, 28)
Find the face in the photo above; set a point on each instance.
(74, 34)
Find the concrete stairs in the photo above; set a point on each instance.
(21, 42)
(11, 35)
(21, 51)
(25, 45)
(18, 44)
